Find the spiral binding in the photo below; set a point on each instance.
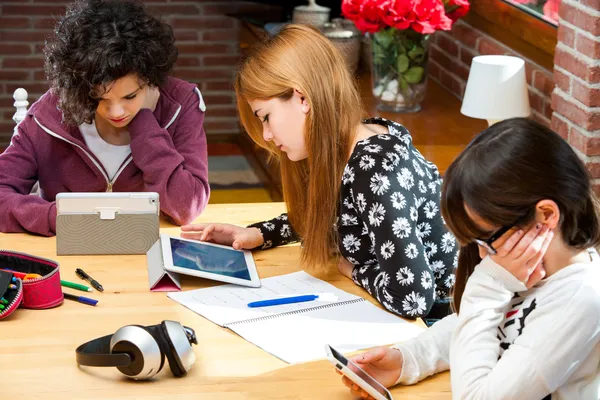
(301, 311)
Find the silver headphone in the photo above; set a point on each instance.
(139, 351)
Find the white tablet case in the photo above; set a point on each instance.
(159, 279)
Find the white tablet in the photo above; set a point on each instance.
(209, 260)
(357, 375)
(107, 203)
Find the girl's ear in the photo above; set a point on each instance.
(304, 106)
(547, 212)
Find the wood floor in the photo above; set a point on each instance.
(439, 130)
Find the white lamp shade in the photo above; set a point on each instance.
(496, 89)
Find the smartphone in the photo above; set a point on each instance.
(357, 375)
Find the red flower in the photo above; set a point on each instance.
(398, 14)
(457, 9)
(551, 10)
(431, 16)
(351, 9)
(423, 16)
(369, 19)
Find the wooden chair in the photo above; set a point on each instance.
(21, 103)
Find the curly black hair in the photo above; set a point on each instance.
(99, 41)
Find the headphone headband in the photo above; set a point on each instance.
(96, 353)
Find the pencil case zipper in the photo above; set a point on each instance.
(14, 304)
(38, 293)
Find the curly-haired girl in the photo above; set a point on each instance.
(113, 120)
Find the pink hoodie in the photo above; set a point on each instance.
(168, 156)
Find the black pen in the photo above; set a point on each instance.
(80, 273)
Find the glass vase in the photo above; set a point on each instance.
(399, 69)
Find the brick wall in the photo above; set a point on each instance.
(576, 98)
(450, 60)
(206, 38)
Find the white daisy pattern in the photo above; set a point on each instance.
(389, 226)
(387, 250)
(361, 203)
(398, 200)
(373, 148)
(348, 176)
(439, 269)
(366, 162)
(376, 214)
(269, 226)
(348, 219)
(414, 304)
(401, 228)
(414, 214)
(448, 242)
(406, 179)
(348, 203)
(423, 230)
(411, 251)
(430, 249)
(426, 280)
(431, 209)
(418, 169)
(379, 184)
(405, 276)
(286, 231)
(449, 281)
(351, 243)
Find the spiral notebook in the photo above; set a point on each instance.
(298, 332)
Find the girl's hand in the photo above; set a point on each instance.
(345, 267)
(151, 98)
(225, 234)
(384, 364)
(522, 254)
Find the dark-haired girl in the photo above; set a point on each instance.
(113, 120)
(527, 292)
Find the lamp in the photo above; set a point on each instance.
(496, 89)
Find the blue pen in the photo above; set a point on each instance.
(283, 300)
(81, 299)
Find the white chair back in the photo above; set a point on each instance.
(21, 103)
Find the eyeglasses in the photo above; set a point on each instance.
(487, 243)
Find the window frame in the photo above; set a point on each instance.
(524, 33)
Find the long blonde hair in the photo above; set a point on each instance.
(299, 57)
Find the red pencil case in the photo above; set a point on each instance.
(38, 293)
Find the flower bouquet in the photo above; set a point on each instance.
(400, 31)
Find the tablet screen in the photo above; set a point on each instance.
(206, 258)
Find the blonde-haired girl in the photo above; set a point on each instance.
(351, 185)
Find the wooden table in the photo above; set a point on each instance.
(37, 347)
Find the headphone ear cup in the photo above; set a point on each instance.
(147, 359)
(180, 340)
(161, 333)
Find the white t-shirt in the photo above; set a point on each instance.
(110, 155)
(512, 343)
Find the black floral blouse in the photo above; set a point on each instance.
(389, 225)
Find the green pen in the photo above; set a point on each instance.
(3, 301)
(1, 307)
(77, 286)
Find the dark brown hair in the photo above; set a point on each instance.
(98, 42)
(501, 176)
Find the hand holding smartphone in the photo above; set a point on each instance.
(357, 375)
